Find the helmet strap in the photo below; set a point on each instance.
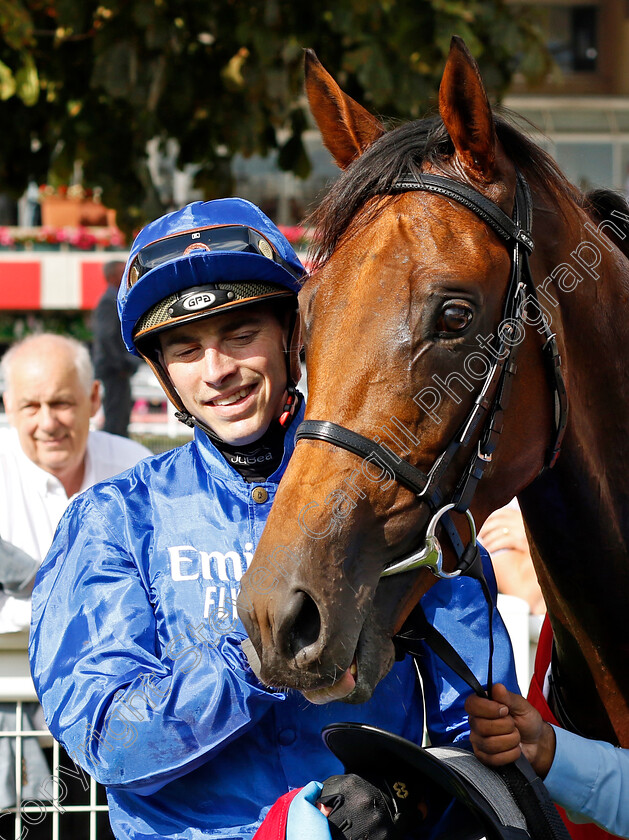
(293, 346)
(182, 414)
(290, 406)
(293, 369)
(186, 418)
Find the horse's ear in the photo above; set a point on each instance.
(346, 127)
(466, 112)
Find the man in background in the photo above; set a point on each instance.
(48, 457)
(113, 365)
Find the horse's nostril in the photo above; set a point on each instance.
(306, 625)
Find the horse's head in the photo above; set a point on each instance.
(401, 322)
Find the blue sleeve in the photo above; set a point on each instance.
(124, 709)
(590, 779)
(458, 610)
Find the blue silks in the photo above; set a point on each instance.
(150, 692)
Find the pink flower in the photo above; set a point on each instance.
(116, 239)
(294, 233)
(81, 238)
(6, 239)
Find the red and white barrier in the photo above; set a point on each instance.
(31, 280)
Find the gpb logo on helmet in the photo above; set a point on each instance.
(196, 246)
(199, 300)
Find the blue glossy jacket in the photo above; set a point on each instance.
(150, 692)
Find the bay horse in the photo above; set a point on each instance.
(432, 295)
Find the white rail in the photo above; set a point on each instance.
(42, 816)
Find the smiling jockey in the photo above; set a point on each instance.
(135, 646)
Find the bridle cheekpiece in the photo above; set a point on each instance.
(490, 404)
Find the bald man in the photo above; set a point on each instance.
(48, 457)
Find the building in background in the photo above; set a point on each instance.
(582, 110)
(579, 113)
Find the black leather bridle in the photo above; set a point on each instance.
(486, 413)
(490, 403)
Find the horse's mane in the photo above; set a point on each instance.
(404, 150)
(601, 204)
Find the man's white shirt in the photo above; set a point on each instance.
(33, 501)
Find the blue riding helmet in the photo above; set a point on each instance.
(226, 253)
(208, 257)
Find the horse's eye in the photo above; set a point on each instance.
(454, 318)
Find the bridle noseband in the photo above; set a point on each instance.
(489, 406)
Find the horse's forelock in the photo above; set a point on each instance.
(402, 151)
(399, 151)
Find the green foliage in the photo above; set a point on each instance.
(94, 81)
(15, 325)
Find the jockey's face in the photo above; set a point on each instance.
(230, 371)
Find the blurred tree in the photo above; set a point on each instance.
(95, 80)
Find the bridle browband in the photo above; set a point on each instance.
(489, 406)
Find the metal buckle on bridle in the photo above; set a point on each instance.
(431, 555)
(483, 456)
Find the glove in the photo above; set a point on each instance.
(362, 810)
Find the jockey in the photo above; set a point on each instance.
(136, 643)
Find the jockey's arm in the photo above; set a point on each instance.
(133, 711)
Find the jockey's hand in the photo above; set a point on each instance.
(505, 726)
(359, 810)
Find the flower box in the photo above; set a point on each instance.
(79, 238)
(59, 211)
